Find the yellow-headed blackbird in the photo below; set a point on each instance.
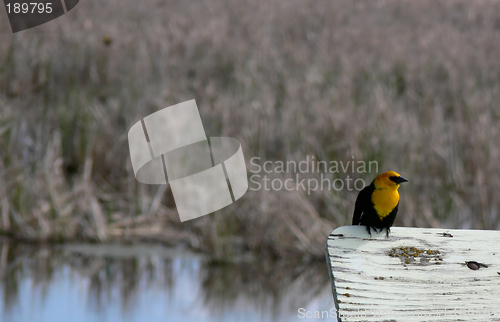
(377, 204)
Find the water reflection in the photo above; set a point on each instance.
(151, 283)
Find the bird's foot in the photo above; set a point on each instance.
(369, 228)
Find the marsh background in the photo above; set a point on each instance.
(412, 85)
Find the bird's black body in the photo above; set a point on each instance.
(366, 215)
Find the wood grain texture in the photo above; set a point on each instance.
(417, 274)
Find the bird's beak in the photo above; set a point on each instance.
(401, 180)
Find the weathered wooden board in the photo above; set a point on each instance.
(380, 279)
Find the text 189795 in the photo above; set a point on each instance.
(32, 7)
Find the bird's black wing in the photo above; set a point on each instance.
(363, 202)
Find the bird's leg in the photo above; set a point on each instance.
(369, 231)
(387, 232)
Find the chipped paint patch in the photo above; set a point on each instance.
(415, 255)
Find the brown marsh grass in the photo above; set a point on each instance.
(413, 85)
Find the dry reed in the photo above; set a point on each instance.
(414, 85)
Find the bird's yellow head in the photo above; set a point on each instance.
(388, 180)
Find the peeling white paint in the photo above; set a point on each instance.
(370, 285)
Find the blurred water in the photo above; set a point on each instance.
(151, 283)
